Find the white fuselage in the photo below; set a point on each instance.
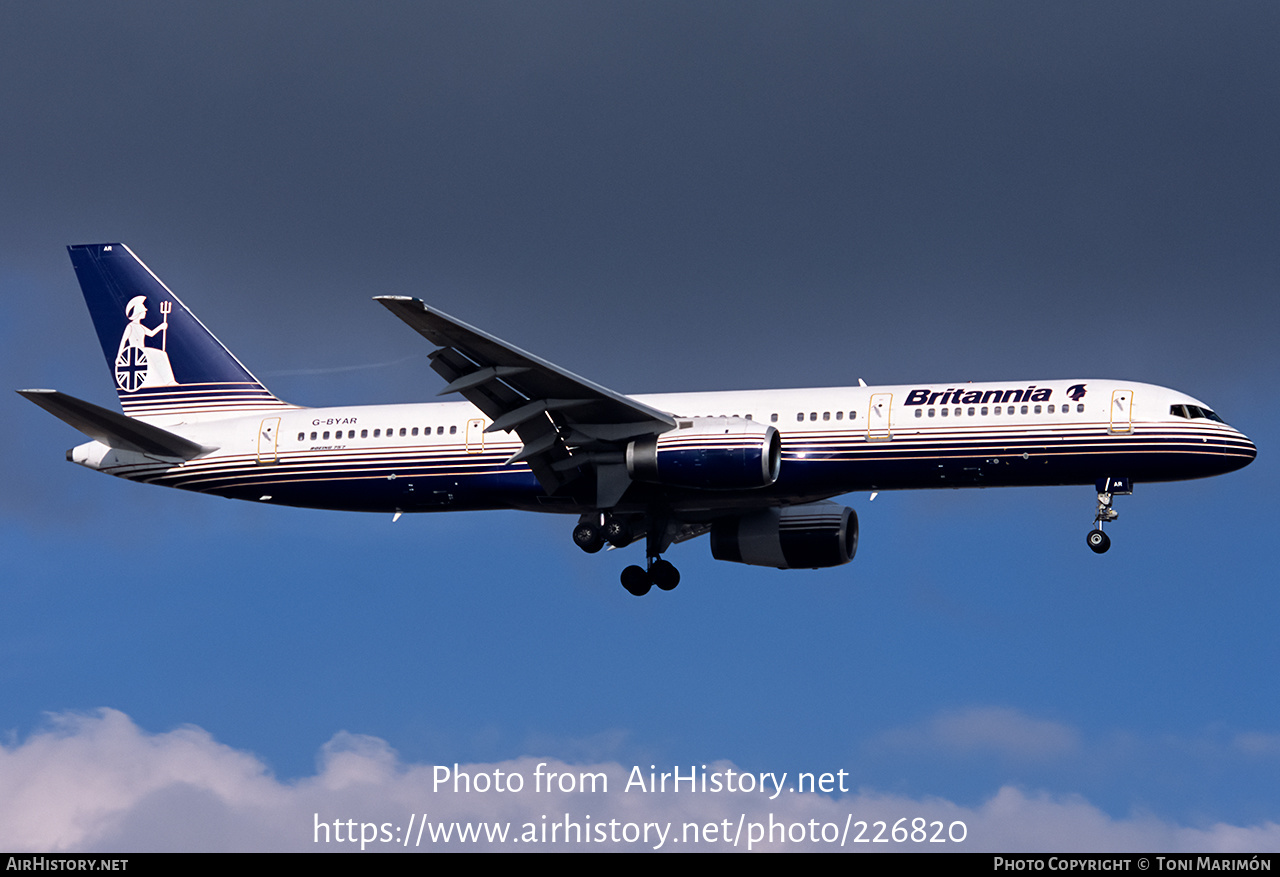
(437, 456)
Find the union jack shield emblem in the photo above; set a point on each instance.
(131, 368)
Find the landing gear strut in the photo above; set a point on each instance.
(1099, 541)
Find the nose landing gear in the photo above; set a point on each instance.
(1099, 541)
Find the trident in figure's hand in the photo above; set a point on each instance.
(165, 308)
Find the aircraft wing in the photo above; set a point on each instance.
(568, 424)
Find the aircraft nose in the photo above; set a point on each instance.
(1242, 451)
(1250, 448)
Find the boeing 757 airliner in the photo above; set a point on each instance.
(755, 469)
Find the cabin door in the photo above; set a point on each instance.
(878, 414)
(1122, 411)
(475, 436)
(268, 434)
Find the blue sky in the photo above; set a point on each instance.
(659, 197)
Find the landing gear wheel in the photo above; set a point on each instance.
(636, 580)
(1099, 541)
(588, 537)
(616, 533)
(664, 575)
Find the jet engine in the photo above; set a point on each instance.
(710, 453)
(811, 536)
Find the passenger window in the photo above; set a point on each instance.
(945, 412)
(313, 436)
(800, 417)
(1080, 408)
(1037, 411)
(826, 415)
(839, 415)
(984, 410)
(453, 430)
(970, 412)
(773, 418)
(326, 434)
(414, 431)
(813, 415)
(439, 430)
(302, 436)
(931, 414)
(1024, 409)
(919, 413)
(364, 433)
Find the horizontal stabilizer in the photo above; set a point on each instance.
(113, 429)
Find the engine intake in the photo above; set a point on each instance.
(710, 453)
(812, 536)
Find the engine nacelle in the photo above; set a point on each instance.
(710, 453)
(812, 536)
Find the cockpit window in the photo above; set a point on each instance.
(1194, 412)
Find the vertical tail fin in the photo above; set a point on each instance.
(166, 365)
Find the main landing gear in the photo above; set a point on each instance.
(1099, 541)
(638, 580)
(593, 531)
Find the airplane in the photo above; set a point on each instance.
(757, 470)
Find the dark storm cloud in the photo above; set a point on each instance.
(662, 195)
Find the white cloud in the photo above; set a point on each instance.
(98, 782)
(1254, 743)
(1000, 730)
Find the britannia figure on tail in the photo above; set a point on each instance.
(138, 365)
